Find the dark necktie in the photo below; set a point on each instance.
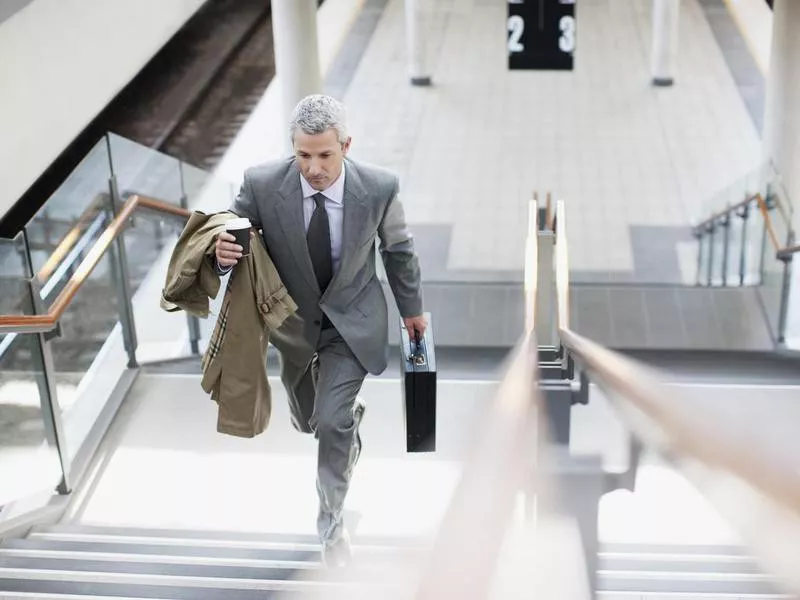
(318, 238)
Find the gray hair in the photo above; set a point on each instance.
(316, 114)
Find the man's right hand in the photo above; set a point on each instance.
(228, 252)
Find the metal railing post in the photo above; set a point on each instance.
(192, 322)
(710, 267)
(545, 306)
(743, 253)
(785, 289)
(700, 235)
(726, 224)
(46, 377)
(763, 259)
(119, 268)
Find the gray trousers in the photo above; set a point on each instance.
(322, 400)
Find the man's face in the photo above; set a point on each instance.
(320, 157)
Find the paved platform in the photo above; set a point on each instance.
(633, 162)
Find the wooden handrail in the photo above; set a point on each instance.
(687, 434)
(47, 322)
(502, 462)
(787, 251)
(69, 240)
(163, 207)
(758, 491)
(725, 211)
(781, 252)
(773, 238)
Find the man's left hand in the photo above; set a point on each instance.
(416, 326)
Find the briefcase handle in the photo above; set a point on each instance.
(417, 351)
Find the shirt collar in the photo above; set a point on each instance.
(335, 192)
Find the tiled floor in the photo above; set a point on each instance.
(471, 149)
(635, 164)
(466, 188)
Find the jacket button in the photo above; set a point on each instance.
(317, 322)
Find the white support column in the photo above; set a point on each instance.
(666, 15)
(416, 41)
(781, 138)
(294, 29)
(780, 125)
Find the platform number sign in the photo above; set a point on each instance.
(541, 34)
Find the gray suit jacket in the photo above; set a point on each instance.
(271, 198)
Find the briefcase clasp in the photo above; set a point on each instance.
(417, 355)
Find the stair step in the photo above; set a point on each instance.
(674, 549)
(248, 558)
(33, 554)
(101, 582)
(188, 534)
(104, 592)
(265, 572)
(184, 566)
(200, 542)
(687, 596)
(156, 550)
(646, 582)
(19, 589)
(710, 563)
(75, 562)
(221, 539)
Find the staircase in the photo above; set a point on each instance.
(746, 238)
(73, 562)
(672, 571)
(85, 562)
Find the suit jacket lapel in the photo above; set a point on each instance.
(290, 215)
(355, 217)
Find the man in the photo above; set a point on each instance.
(320, 213)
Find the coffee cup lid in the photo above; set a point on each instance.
(241, 223)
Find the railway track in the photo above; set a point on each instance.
(190, 101)
(197, 92)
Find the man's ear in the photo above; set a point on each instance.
(346, 146)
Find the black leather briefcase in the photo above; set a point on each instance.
(418, 371)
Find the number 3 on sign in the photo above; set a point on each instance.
(516, 25)
(567, 40)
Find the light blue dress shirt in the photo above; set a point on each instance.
(334, 206)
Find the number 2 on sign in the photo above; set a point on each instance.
(567, 40)
(516, 25)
